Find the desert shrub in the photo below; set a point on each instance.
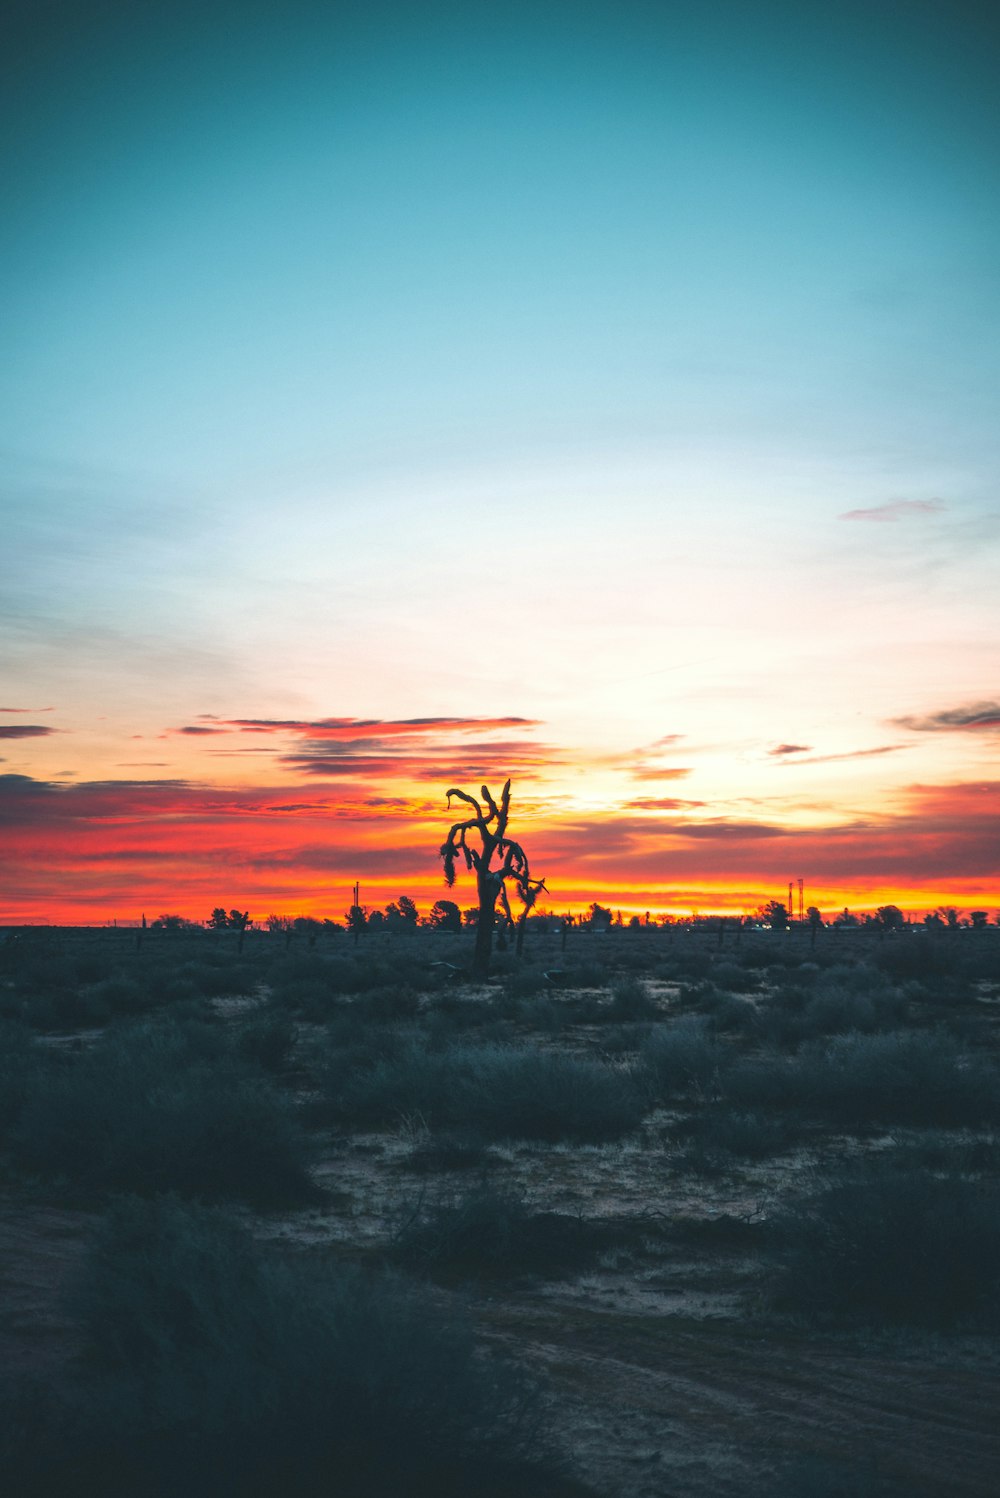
(390, 1001)
(216, 979)
(745, 1135)
(733, 977)
(682, 1056)
(832, 1010)
(267, 1040)
(117, 995)
(893, 1246)
(504, 1092)
(692, 962)
(954, 1152)
(730, 1015)
(151, 1109)
(219, 1369)
(917, 1077)
(489, 1230)
(547, 1016)
(767, 1081)
(525, 981)
(905, 1077)
(632, 1000)
(18, 1064)
(451, 1149)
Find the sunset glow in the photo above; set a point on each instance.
(399, 398)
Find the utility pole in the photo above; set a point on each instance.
(801, 910)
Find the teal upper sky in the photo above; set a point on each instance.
(246, 241)
(628, 369)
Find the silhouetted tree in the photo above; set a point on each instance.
(599, 917)
(446, 916)
(775, 914)
(402, 914)
(889, 916)
(218, 920)
(815, 922)
(356, 919)
(490, 826)
(529, 892)
(979, 919)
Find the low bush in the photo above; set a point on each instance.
(893, 1245)
(905, 1077)
(681, 1057)
(631, 1000)
(218, 1369)
(452, 1149)
(268, 1040)
(503, 1092)
(18, 1064)
(743, 1135)
(155, 1108)
(491, 1231)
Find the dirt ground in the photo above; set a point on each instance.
(667, 1375)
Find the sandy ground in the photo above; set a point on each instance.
(667, 1379)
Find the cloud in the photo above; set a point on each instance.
(25, 731)
(354, 728)
(978, 715)
(829, 759)
(198, 729)
(790, 749)
(26, 709)
(111, 846)
(660, 803)
(896, 509)
(642, 771)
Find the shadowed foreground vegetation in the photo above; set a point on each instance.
(342, 1216)
(215, 1367)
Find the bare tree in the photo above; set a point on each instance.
(490, 826)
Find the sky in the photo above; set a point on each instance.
(396, 397)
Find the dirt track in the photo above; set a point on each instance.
(675, 1409)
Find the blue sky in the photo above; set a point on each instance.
(314, 312)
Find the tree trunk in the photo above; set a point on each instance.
(489, 889)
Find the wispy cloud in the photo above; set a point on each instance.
(829, 759)
(790, 749)
(354, 728)
(977, 715)
(660, 803)
(25, 731)
(896, 509)
(643, 771)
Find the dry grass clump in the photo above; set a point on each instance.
(218, 1368)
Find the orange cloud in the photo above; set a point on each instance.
(96, 849)
(354, 728)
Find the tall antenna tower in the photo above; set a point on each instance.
(790, 907)
(801, 911)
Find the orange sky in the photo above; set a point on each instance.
(319, 803)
